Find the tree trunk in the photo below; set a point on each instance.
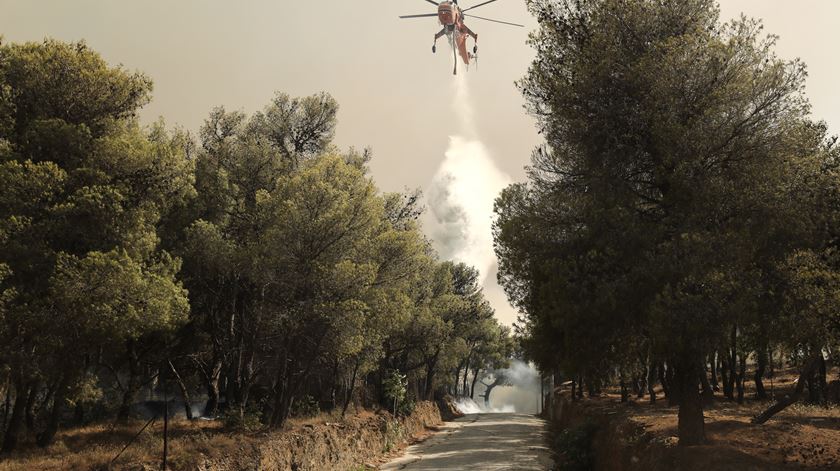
(185, 393)
(808, 369)
(728, 384)
(10, 438)
(742, 373)
(488, 388)
(732, 361)
(464, 389)
(644, 377)
(30, 406)
(660, 372)
(283, 392)
(591, 389)
(349, 396)
(714, 371)
(79, 413)
(674, 385)
(651, 381)
(211, 408)
(821, 381)
(48, 435)
(708, 395)
(690, 425)
(431, 363)
(761, 365)
(7, 404)
(625, 394)
(133, 384)
(474, 380)
(282, 403)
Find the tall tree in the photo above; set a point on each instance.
(664, 183)
(84, 191)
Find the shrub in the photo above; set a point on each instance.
(394, 386)
(306, 406)
(405, 408)
(573, 447)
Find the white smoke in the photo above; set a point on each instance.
(463, 190)
(467, 405)
(520, 393)
(461, 200)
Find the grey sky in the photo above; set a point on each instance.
(395, 95)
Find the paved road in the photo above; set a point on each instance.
(481, 442)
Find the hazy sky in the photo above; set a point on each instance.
(395, 95)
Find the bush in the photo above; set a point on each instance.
(306, 406)
(250, 421)
(394, 386)
(394, 434)
(405, 408)
(573, 447)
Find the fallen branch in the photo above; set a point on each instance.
(807, 372)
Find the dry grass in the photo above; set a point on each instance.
(803, 436)
(94, 447)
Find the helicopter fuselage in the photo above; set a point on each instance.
(452, 19)
(449, 14)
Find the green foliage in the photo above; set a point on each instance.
(257, 262)
(406, 408)
(112, 298)
(306, 406)
(573, 447)
(68, 83)
(394, 387)
(669, 206)
(394, 435)
(85, 189)
(250, 421)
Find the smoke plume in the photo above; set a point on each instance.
(462, 192)
(461, 201)
(520, 393)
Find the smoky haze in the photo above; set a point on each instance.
(395, 95)
(522, 392)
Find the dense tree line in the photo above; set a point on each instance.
(256, 266)
(682, 217)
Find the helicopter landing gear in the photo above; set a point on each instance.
(475, 49)
(437, 36)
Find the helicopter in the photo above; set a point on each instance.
(451, 17)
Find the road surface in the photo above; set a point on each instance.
(481, 442)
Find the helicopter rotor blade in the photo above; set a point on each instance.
(495, 21)
(433, 2)
(476, 6)
(419, 16)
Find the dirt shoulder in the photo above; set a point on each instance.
(641, 436)
(360, 441)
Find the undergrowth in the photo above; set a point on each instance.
(572, 447)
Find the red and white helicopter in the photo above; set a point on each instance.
(451, 17)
